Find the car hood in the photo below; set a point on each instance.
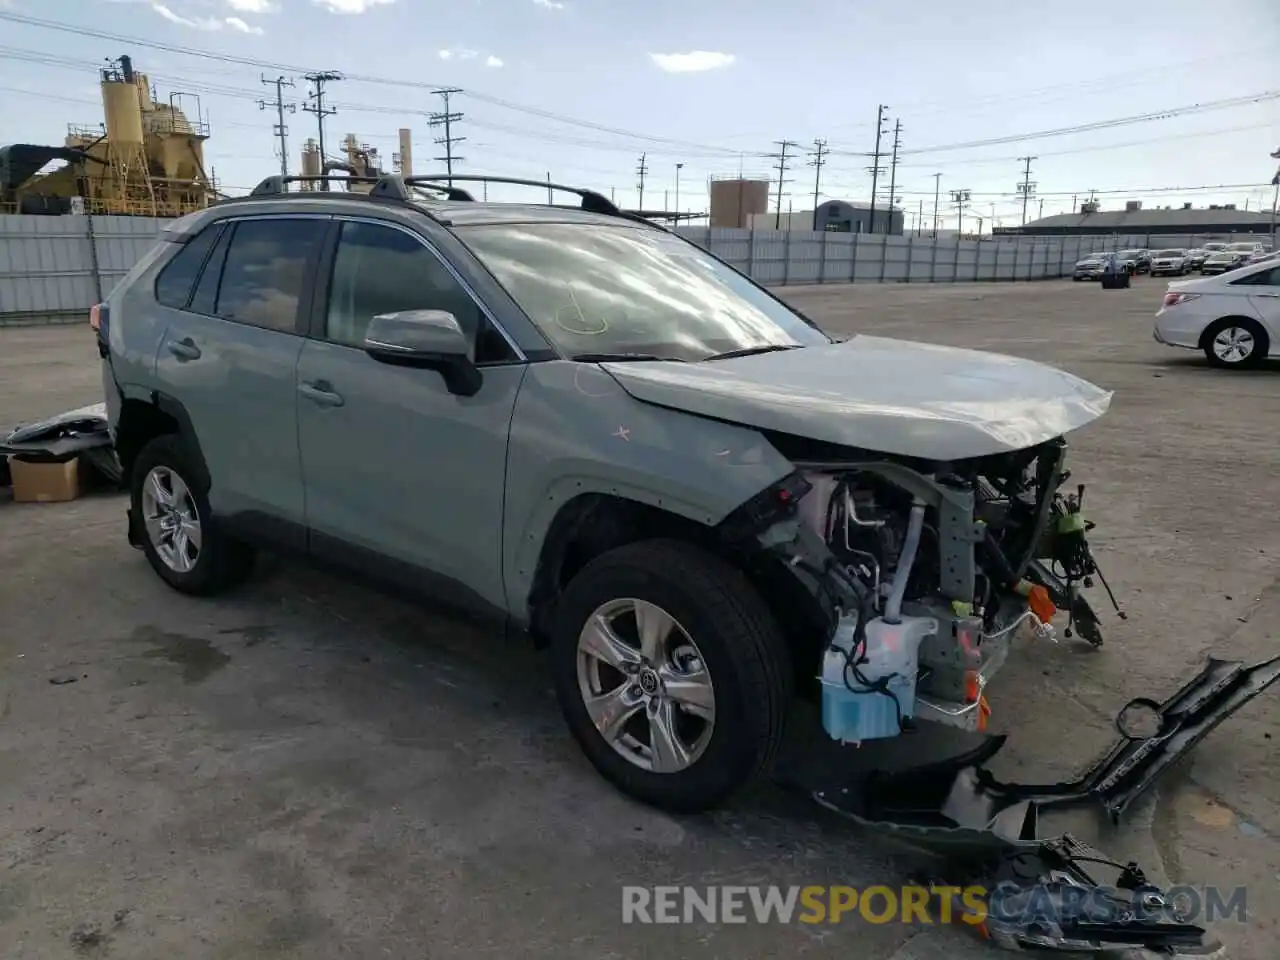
(879, 394)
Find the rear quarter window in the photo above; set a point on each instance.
(178, 277)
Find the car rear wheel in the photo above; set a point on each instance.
(671, 673)
(179, 535)
(1237, 342)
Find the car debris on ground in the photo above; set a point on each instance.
(43, 460)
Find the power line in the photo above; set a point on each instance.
(781, 167)
(818, 158)
(315, 104)
(1246, 100)
(353, 77)
(280, 131)
(1026, 188)
(446, 119)
(875, 169)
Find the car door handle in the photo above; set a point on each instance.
(184, 349)
(1269, 296)
(321, 393)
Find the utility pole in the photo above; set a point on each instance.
(920, 217)
(642, 170)
(958, 199)
(279, 130)
(1040, 215)
(937, 185)
(315, 104)
(875, 169)
(446, 119)
(893, 171)
(818, 158)
(1027, 188)
(782, 158)
(1275, 198)
(679, 167)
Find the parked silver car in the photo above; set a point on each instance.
(1169, 263)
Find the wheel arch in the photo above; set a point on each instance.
(594, 523)
(1251, 322)
(142, 420)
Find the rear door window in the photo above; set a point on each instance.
(173, 285)
(265, 269)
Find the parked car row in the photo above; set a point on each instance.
(1214, 257)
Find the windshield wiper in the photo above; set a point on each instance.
(751, 351)
(615, 357)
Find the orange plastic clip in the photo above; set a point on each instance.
(1040, 604)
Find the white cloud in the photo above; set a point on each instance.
(492, 61)
(207, 24)
(695, 61)
(251, 6)
(351, 6)
(235, 23)
(196, 23)
(456, 53)
(550, 4)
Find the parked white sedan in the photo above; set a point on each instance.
(1234, 318)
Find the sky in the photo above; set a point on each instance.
(581, 89)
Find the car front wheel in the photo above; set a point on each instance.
(1237, 342)
(671, 673)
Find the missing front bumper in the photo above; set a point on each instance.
(988, 829)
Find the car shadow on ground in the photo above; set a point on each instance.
(1197, 361)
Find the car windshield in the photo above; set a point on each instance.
(1242, 248)
(623, 290)
(1097, 256)
(1128, 253)
(1168, 253)
(1215, 247)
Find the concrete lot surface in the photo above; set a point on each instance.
(307, 769)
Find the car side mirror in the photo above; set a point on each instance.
(426, 339)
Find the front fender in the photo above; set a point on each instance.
(575, 431)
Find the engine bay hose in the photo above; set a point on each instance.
(907, 559)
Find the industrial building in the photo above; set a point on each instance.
(1133, 220)
(146, 159)
(744, 204)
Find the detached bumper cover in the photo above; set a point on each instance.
(988, 829)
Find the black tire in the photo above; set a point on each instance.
(1261, 345)
(740, 644)
(221, 562)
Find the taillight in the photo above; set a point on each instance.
(1173, 299)
(99, 321)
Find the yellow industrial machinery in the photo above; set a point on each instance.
(147, 159)
(362, 161)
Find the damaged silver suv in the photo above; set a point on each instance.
(611, 440)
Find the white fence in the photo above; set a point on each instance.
(52, 269)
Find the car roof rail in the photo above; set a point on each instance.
(276, 185)
(592, 201)
(392, 186)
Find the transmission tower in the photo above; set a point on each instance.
(642, 171)
(1027, 187)
(875, 169)
(893, 171)
(817, 159)
(958, 199)
(315, 104)
(278, 129)
(781, 167)
(446, 119)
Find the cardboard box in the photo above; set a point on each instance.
(43, 481)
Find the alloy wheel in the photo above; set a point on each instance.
(645, 685)
(1233, 345)
(171, 519)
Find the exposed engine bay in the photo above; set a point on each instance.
(932, 569)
